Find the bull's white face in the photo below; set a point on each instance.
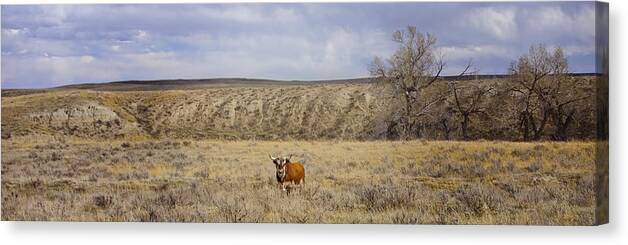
(280, 162)
(280, 165)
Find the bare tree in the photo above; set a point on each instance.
(467, 101)
(538, 81)
(446, 122)
(561, 95)
(411, 70)
(526, 75)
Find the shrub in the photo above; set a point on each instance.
(380, 197)
(103, 201)
(203, 173)
(585, 191)
(476, 170)
(235, 210)
(535, 166)
(169, 200)
(56, 156)
(480, 198)
(32, 155)
(524, 154)
(405, 217)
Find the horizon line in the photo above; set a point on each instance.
(130, 81)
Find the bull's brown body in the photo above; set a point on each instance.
(295, 173)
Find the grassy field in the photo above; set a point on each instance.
(197, 151)
(426, 182)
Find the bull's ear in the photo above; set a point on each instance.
(288, 158)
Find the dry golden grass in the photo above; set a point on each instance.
(427, 182)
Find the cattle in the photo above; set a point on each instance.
(288, 172)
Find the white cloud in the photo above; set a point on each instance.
(13, 32)
(61, 70)
(571, 50)
(85, 59)
(249, 14)
(553, 20)
(65, 70)
(141, 35)
(465, 53)
(499, 22)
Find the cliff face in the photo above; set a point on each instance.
(267, 112)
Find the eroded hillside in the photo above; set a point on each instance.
(264, 112)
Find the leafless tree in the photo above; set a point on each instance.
(539, 79)
(411, 70)
(467, 101)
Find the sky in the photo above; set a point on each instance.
(53, 45)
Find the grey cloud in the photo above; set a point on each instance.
(48, 45)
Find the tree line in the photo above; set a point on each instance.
(538, 100)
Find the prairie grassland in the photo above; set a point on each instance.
(426, 182)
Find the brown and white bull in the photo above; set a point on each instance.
(288, 172)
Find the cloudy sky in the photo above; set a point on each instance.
(52, 45)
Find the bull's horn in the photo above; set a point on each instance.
(287, 158)
(271, 157)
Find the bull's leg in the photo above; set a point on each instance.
(298, 184)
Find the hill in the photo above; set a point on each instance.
(234, 108)
(212, 108)
(194, 84)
